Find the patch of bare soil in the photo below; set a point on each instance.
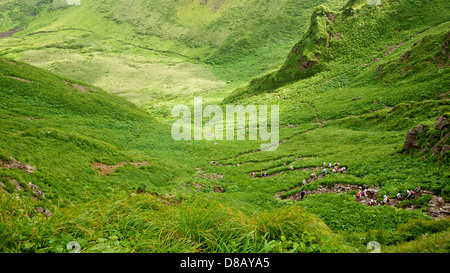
(81, 88)
(219, 189)
(392, 48)
(338, 35)
(104, 169)
(331, 17)
(10, 32)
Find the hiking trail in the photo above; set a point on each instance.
(437, 207)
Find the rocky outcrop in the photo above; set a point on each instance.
(411, 137)
(36, 190)
(434, 140)
(442, 123)
(411, 140)
(45, 212)
(15, 164)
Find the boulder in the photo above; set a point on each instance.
(45, 212)
(18, 186)
(442, 123)
(36, 190)
(420, 128)
(435, 149)
(411, 140)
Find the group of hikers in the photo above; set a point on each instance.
(253, 174)
(373, 201)
(410, 194)
(335, 168)
(314, 177)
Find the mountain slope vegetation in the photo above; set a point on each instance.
(68, 136)
(143, 50)
(87, 155)
(363, 45)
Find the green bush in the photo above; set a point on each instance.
(419, 202)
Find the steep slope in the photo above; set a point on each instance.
(168, 50)
(349, 91)
(106, 174)
(361, 45)
(79, 164)
(61, 127)
(14, 15)
(220, 31)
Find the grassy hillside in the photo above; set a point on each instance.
(92, 132)
(363, 76)
(168, 50)
(17, 14)
(219, 31)
(68, 133)
(362, 45)
(44, 115)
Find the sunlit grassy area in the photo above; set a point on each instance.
(86, 94)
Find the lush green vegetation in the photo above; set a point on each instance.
(355, 80)
(174, 50)
(19, 13)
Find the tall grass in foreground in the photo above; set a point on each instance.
(146, 223)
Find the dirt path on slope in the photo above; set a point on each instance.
(438, 207)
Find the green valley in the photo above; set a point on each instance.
(87, 152)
